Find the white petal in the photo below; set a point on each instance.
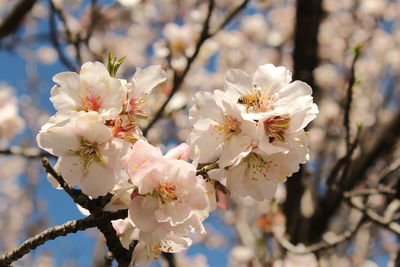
(272, 78)
(234, 150)
(209, 142)
(71, 168)
(237, 82)
(58, 140)
(146, 79)
(98, 181)
(141, 213)
(65, 96)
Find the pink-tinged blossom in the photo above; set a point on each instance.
(93, 89)
(219, 130)
(87, 154)
(171, 201)
(139, 89)
(258, 175)
(269, 89)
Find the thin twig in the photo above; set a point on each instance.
(77, 195)
(374, 217)
(370, 191)
(322, 245)
(179, 77)
(49, 234)
(74, 40)
(54, 38)
(349, 96)
(54, 232)
(29, 152)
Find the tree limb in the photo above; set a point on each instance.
(180, 77)
(13, 20)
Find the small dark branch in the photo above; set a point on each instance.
(95, 207)
(121, 254)
(170, 258)
(55, 38)
(322, 245)
(342, 163)
(374, 217)
(49, 234)
(108, 259)
(93, 20)
(370, 191)
(30, 152)
(77, 195)
(54, 232)
(180, 77)
(74, 40)
(13, 20)
(231, 16)
(349, 96)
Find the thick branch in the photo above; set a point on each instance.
(305, 59)
(95, 207)
(11, 23)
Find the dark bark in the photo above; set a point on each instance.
(308, 17)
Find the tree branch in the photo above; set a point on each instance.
(54, 232)
(95, 206)
(29, 152)
(180, 77)
(349, 97)
(322, 245)
(13, 20)
(375, 217)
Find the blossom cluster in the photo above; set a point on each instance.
(253, 129)
(247, 138)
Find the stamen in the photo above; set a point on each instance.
(275, 127)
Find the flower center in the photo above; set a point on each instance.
(230, 127)
(90, 103)
(89, 152)
(166, 193)
(275, 127)
(260, 101)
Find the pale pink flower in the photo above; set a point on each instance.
(269, 89)
(87, 154)
(93, 89)
(219, 129)
(258, 175)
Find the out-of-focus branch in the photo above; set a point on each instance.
(370, 191)
(54, 232)
(55, 38)
(322, 245)
(374, 217)
(13, 20)
(29, 152)
(74, 40)
(170, 258)
(349, 96)
(180, 77)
